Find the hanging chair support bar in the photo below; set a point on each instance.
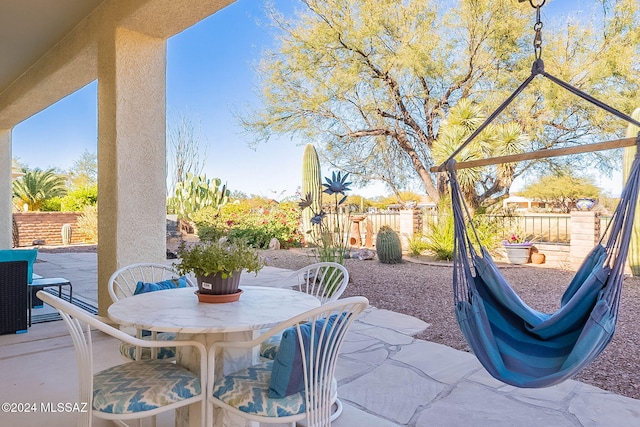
(591, 99)
(538, 68)
(543, 154)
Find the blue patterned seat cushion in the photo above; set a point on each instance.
(129, 350)
(142, 386)
(248, 391)
(269, 347)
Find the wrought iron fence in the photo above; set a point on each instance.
(549, 229)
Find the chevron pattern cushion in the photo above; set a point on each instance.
(129, 350)
(248, 391)
(141, 386)
(269, 347)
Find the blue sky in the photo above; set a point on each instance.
(209, 77)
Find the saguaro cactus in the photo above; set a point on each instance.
(66, 234)
(627, 159)
(311, 184)
(388, 246)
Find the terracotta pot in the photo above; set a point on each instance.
(538, 258)
(216, 285)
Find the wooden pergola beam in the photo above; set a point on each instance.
(542, 154)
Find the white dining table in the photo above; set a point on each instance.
(179, 311)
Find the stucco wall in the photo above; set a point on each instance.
(47, 226)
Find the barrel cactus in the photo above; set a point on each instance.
(66, 234)
(388, 246)
(311, 184)
(627, 159)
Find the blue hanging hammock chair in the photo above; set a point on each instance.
(516, 344)
(525, 347)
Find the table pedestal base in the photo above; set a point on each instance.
(232, 360)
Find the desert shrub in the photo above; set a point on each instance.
(417, 244)
(53, 204)
(76, 200)
(440, 233)
(88, 223)
(254, 223)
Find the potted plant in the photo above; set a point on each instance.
(218, 265)
(518, 248)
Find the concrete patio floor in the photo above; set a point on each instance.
(385, 376)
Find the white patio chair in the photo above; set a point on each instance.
(132, 390)
(122, 284)
(303, 370)
(324, 280)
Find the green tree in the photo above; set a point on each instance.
(84, 172)
(77, 199)
(496, 140)
(36, 186)
(374, 80)
(562, 190)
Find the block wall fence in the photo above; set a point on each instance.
(46, 226)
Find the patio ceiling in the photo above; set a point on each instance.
(30, 28)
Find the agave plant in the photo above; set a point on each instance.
(330, 240)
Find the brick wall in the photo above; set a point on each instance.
(47, 226)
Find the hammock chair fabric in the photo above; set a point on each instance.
(524, 347)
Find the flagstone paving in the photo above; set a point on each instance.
(385, 376)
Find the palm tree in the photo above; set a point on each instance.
(479, 184)
(36, 186)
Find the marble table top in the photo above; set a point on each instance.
(178, 310)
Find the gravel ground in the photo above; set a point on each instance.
(425, 291)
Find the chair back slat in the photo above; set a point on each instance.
(324, 280)
(122, 283)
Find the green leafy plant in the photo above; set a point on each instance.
(330, 240)
(440, 234)
(219, 257)
(255, 221)
(417, 244)
(77, 199)
(36, 186)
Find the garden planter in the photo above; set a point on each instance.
(518, 253)
(538, 258)
(215, 288)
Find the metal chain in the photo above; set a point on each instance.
(537, 40)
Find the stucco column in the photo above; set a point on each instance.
(5, 189)
(131, 153)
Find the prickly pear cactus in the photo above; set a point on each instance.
(197, 192)
(627, 159)
(388, 246)
(311, 184)
(66, 234)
